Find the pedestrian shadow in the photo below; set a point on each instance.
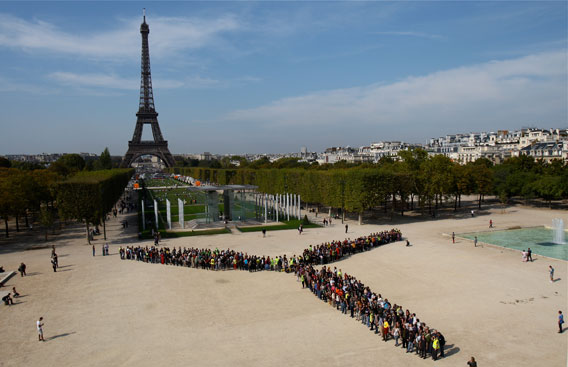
(450, 350)
(65, 266)
(60, 336)
(32, 274)
(557, 280)
(60, 271)
(21, 296)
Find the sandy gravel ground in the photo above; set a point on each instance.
(101, 311)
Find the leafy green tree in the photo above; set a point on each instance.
(47, 219)
(105, 161)
(88, 196)
(5, 163)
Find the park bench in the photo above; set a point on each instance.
(7, 277)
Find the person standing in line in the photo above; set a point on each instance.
(560, 321)
(453, 237)
(435, 348)
(40, 329)
(22, 269)
(442, 343)
(346, 228)
(529, 255)
(472, 362)
(93, 249)
(551, 271)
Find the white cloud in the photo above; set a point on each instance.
(168, 35)
(108, 81)
(113, 81)
(491, 95)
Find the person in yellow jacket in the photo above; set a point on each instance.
(212, 263)
(386, 330)
(435, 348)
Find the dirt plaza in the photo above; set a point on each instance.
(104, 311)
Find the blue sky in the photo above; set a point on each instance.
(237, 77)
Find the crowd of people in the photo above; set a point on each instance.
(340, 290)
(228, 259)
(385, 318)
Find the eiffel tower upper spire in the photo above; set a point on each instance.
(146, 93)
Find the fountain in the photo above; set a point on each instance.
(558, 228)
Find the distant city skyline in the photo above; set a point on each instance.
(271, 77)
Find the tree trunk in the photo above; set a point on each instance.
(88, 234)
(104, 228)
(342, 215)
(456, 203)
(46, 234)
(411, 201)
(330, 211)
(393, 206)
(360, 218)
(17, 223)
(6, 223)
(27, 223)
(460, 201)
(479, 202)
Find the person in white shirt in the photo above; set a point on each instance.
(40, 329)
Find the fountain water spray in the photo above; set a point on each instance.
(558, 227)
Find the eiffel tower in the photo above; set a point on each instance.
(147, 115)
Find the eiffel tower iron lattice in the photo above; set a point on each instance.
(147, 115)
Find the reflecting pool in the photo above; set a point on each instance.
(539, 239)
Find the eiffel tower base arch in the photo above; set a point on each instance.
(135, 150)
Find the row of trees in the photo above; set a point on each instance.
(89, 196)
(23, 192)
(416, 180)
(66, 164)
(71, 193)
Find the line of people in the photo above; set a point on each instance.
(340, 290)
(387, 319)
(209, 259)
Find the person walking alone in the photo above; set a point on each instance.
(93, 250)
(560, 321)
(453, 237)
(40, 329)
(22, 269)
(346, 228)
(529, 255)
(551, 272)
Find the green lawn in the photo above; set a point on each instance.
(292, 224)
